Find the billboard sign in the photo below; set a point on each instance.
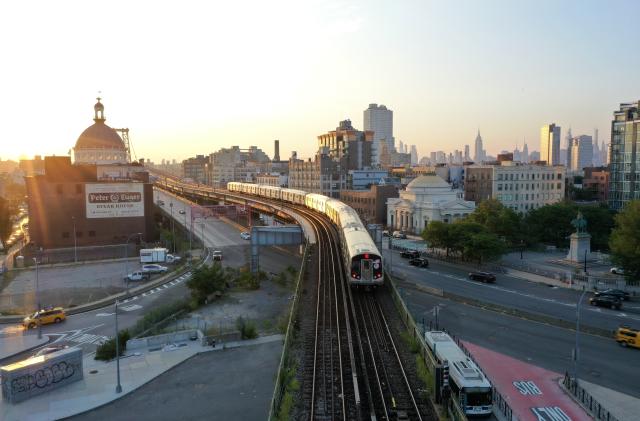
(115, 200)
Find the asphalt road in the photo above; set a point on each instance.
(601, 361)
(234, 384)
(517, 293)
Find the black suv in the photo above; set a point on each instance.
(421, 262)
(617, 293)
(410, 254)
(606, 301)
(482, 276)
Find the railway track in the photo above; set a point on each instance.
(330, 386)
(391, 391)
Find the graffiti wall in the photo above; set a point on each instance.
(38, 375)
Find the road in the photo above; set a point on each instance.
(513, 292)
(90, 328)
(602, 360)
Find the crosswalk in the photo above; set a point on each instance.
(81, 336)
(170, 284)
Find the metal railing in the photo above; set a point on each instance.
(595, 408)
(280, 386)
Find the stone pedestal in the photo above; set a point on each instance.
(580, 244)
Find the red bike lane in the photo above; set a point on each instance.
(531, 392)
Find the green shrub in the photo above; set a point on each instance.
(107, 350)
(246, 280)
(247, 328)
(158, 314)
(412, 342)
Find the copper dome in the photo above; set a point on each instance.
(99, 136)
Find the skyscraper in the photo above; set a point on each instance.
(550, 144)
(479, 152)
(581, 152)
(380, 120)
(414, 155)
(467, 157)
(525, 153)
(568, 141)
(623, 155)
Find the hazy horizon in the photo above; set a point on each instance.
(193, 78)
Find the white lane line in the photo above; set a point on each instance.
(104, 314)
(132, 307)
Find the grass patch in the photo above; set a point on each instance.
(247, 328)
(158, 314)
(411, 342)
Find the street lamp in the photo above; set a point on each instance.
(126, 256)
(576, 350)
(173, 231)
(203, 245)
(75, 241)
(118, 386)
(38, 298)
(521, 248)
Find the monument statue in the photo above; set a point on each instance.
(580, 223)
(580, 247)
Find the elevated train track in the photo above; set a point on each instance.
(351, 368)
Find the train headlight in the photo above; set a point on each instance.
(376, 265)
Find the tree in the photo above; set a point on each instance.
(7, 214)
(207, 280)
(551, 224)
(499, 220)
(436, 234)
(484, 246)
(625, 239)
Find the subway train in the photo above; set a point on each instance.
(362, 259)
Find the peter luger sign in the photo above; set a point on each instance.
(114, 200)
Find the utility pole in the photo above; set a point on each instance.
(576, 351)
(38, 299)
(75, 241)
(118, 386)
(173, 231)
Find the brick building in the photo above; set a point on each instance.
(596, 180)
(370, 204)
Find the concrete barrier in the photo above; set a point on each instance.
(150, 341)
(35, 376)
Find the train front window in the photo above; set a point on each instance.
(355, 268)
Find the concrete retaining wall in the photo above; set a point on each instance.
(150, 341)
(21, 381)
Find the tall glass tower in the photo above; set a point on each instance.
(624, 159)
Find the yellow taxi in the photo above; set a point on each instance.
(627, 336)
(44, 317)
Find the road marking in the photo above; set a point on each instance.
(132, 307)
(104, 314)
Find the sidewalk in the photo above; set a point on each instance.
(11, 345)
(98, 386)
(623, 407)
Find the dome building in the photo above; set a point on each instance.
(100, 144)
(427, 198)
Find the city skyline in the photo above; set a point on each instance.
(213, 84)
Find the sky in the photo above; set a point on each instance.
(190, 77)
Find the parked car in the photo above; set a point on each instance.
(137, 276)
(410, 254)
(606, 301)
(482, 276)
(173, 259)
(399, 235)
(217, 255)
(617, 271)
(618, 293)
(154, 269)
(420, 262)
(627, 336)
(385, 233)
(245, 235)
(44, 317)
(49, 350)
